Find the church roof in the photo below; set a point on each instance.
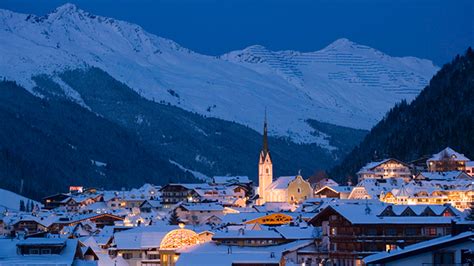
(281, 183)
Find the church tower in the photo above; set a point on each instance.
(265, 167)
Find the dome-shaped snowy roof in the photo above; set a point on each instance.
(179, 238)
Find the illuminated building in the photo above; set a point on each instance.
(447, 160)
(388, 168)
(291, 189)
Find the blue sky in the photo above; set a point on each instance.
(433, 29)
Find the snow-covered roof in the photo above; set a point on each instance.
(374, 187)
(371, 165)
(211, 254)
(337, 189)
(448, 152)
(202, 206)
(281, 183)
(425, 245)
(142, 237)
(450, 175)
(275, 207)
(231, 179)
(9, 255)
(370, 213)
(245, 233)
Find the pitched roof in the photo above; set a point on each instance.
(369, 212)
(231, 179)
(450, 153)
(281, 183)
(450, 175)
(430, 245)
(368, 167)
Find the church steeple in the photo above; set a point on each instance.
(265, 166)
(265, 135)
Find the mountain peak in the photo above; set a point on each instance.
(342, 43)
(66, 8)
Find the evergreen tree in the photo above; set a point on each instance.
(174, 218)
(22, 206)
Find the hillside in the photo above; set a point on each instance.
(442, 115)
(51, 144)
(344, 84)
(12, 201)
(115, 138)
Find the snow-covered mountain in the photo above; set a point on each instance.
(344, 84)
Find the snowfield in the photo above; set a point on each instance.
(11, 201)
(344, 84)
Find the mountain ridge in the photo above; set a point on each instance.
(155, 67)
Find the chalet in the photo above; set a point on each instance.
(338, 192)
(447, 160)
(325, 182)
(456, 190)
(100, 220)
(150, 205)
(31, 224)
(372, 188)
(388, 168)
(354, 230)
(197, 213)
(446, 250)
(172, 194)
(55, 201)
(252, 235)
(46, 251)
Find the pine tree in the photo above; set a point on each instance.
(174, 218)
(22, 206)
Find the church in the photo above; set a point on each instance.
(291, 189)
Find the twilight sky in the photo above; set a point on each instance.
(433, 29)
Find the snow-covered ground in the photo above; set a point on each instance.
(344, 84)
(11, 200)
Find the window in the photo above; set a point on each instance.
(127, 256)
(430, 231)
(391, 231)
(371, 231)
(299, 190)
(34, 251)
(333, 231)
(389, 247)
(443, 258)
(153, 256)
(46, 251)
(410, 231)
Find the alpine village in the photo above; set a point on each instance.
(401, 195)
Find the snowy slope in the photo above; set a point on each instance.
(344, 84)
(11, 200)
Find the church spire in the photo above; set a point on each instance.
(265, 135)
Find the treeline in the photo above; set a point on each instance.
(442, 115)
